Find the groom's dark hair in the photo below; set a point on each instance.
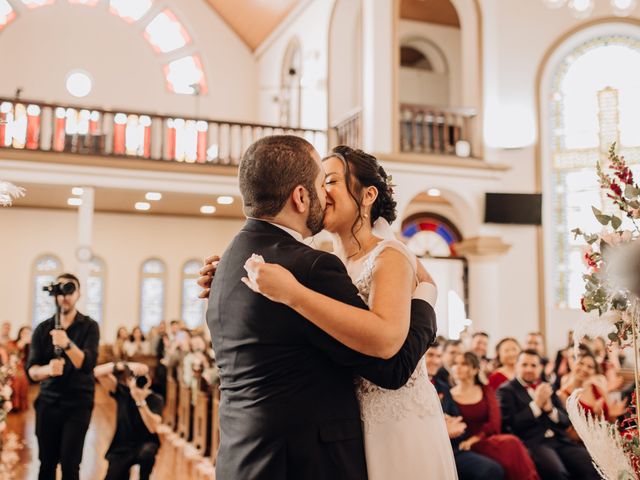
(269, 171)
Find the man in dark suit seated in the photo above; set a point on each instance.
(470, 465)
(288, 408)
(534, 413)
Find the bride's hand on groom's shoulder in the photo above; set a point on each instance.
(207, 272)
(271, 280)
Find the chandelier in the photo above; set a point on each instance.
(583, 8)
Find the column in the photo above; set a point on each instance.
(378, 86)
(483, 254)
(84, 252)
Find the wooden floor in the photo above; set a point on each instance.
(94, 466)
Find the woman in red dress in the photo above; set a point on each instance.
(20, 384)
(480, 412)
(586, 374)
(507, 352)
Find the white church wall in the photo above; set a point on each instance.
(311, 27)
(41, 46)
(122, 241)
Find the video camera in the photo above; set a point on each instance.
(63, 289)
(123, 374)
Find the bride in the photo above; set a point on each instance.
(404, 430)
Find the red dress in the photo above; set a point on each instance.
(19, 383)
(597, 395)
(496, 379)
(483, 419)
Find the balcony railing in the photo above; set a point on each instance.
(348, 131)
(38, 126)
(437, 130)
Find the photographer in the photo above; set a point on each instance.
(63, 360)
(138, 416)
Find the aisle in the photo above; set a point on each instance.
(94, 466)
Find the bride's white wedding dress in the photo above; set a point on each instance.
(405, 435)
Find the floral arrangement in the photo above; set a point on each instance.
(612, 298)
(6, 375)
(9, 192)
(608, 271)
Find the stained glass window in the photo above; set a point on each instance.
(152, 294)
(165, 33)
(46, 269)
(184, 74)
(6, 13)
(193, 308)
(95, 290)
(595, 101)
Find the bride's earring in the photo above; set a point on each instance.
(366, 215)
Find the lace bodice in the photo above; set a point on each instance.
(417, 397)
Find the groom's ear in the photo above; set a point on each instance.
(300, 199)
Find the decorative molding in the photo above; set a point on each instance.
(482, 247)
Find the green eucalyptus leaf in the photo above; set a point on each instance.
(615, 222)
(603, 219)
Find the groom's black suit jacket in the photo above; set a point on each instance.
(288, 408)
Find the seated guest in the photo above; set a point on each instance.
(19, 348)
(5, 334)
(480, 346)
(470, 465)
(586, 374)
(450, 349)
(535, 341)
(534, 413)
(507, 352)
(137, 345)
(561, 364)
(122, 337)
(479, 409)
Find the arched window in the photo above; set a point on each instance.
(95, 290)
(193, 308)
(291, 85)
(152, 293)
(46, 269)
(595, 100)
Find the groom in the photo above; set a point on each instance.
(288, 408)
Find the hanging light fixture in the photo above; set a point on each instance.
(581, 8)
(584, 8)
(623, 8)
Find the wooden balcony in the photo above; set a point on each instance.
(33, 129)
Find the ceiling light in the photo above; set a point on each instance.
(207, 209)
(623, 8)
(225, 200)
(74, 201)
(433, 192)
(153, 196)
(142, 206)
(77, 191)
(79, 84)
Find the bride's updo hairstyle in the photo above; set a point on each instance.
(363, 170)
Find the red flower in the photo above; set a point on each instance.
(615, 188)
(589, 260)
(584, 308)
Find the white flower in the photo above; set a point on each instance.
(612, 316)
(8, 192)
(7, 405)
(6, 391)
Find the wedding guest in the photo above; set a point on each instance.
(479, 408)
(535, 341)
(137, 344)
(534, 413)
(469, 464)
(480, 346)
(155, 337)
(561, 363)
(507, 352)
(19, 348)
(587, 375)
(122, 337)
(5, 334)
(450, 350)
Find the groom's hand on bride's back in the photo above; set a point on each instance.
(207, 272)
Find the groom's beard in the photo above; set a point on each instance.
(315, 220)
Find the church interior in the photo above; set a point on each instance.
(125, 121)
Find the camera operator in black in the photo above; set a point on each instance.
(62, 360)
(138, 416)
